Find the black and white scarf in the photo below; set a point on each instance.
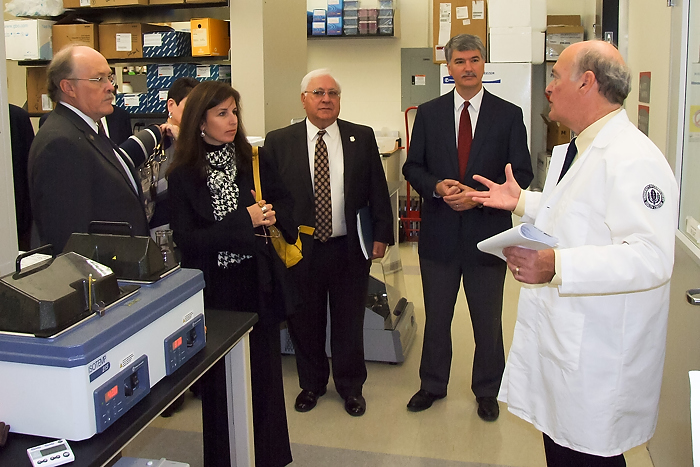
(221, 181)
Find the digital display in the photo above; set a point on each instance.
(49, 451)
(177, 343)
(111, 393)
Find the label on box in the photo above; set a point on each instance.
(163, 95)
(153, 40)
(131, 100)
(84, 2)
(123, 42)
(46, 103)
(199, 38)
(166, 70)
(203, 71)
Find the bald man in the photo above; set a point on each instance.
(588, 350)
(76, 174)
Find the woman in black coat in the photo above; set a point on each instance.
(222, 230)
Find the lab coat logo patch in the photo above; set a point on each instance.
(653, 197)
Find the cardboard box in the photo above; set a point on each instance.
(516, 45)
(124, 40)
(210, 37)
(318, 28)
(37, 92)
(206, 1)
(79, 34)
(520, 13)
(319, 15)
(556, 133)
(452, 15)
(562, 31)
(163, 76)
(165, 2)
(28, 39)
(167, 44)
(104, 3)
(78, 3)
(335, 8)
(213, 73)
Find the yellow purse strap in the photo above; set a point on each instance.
(256, 174)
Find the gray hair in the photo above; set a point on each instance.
(463, 42)
(316, 74)
(613, 76)
(60, 68)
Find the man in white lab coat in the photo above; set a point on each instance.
(588, 349)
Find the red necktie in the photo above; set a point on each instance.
(464, 140)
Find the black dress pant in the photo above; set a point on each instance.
(236, 289)
(483, 286)
(336, 280)
(559, 456)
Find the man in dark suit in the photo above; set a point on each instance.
(455, 136)
(332, 168)
(76, 173)
(22, 135)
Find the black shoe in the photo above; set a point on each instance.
(422, 400)
(355, 405)
(306, 400)
(488, 408)
(174, 407)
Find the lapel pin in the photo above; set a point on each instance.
(352, 139)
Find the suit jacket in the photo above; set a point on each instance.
(22, 135)
(364, 181)
(75, 178)
(118, 124)
(499, 138)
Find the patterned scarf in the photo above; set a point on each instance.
(221, 181)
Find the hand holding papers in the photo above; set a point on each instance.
(523, 235)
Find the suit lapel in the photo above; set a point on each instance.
(347, 139)
(446, 123)
(483, 124)
(300, 149)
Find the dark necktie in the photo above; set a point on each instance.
(101, 129)
(322, 190)
(570, 155)
(464, 140)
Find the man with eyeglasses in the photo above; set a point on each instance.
(464, 132)
(76, 173)
(332, 168)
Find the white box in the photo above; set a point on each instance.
(518, 13)
(516, 45)
(28, 39)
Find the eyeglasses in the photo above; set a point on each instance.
(102, 80)
(319, 93)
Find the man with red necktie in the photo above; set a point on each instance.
(455, 136)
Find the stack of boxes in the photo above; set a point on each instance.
(516, 31)
(346, 17)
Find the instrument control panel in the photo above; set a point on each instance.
(183, 343)
(122, 392)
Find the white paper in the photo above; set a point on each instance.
(478, 9)
(419, 80)
(445, 29)
(153, 40)
(199, 37)
(163, 95)
(46, 103)
(203, 71)
(84, 2)
(131, 100)
(439, 53)
(467, 22)
(695, 414)
(462, 12)
(523, 235)
(166, 70)
(123, 42)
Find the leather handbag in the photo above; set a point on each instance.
(289, 253)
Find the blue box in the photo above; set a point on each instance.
(213, 73)
(136, 103)
(318, 28)
(163, 76)
(319, 15)
(334, 26)
(157, 101)
(335, 8)
(167, 44)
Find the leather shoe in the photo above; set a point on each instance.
(306, 400)
(355, 405)
(488, 408)
(422, 400)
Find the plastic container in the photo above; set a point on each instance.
(386, 4)
(350, 30)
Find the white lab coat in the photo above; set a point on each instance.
(587, 356)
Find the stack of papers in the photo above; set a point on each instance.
(523, 235)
